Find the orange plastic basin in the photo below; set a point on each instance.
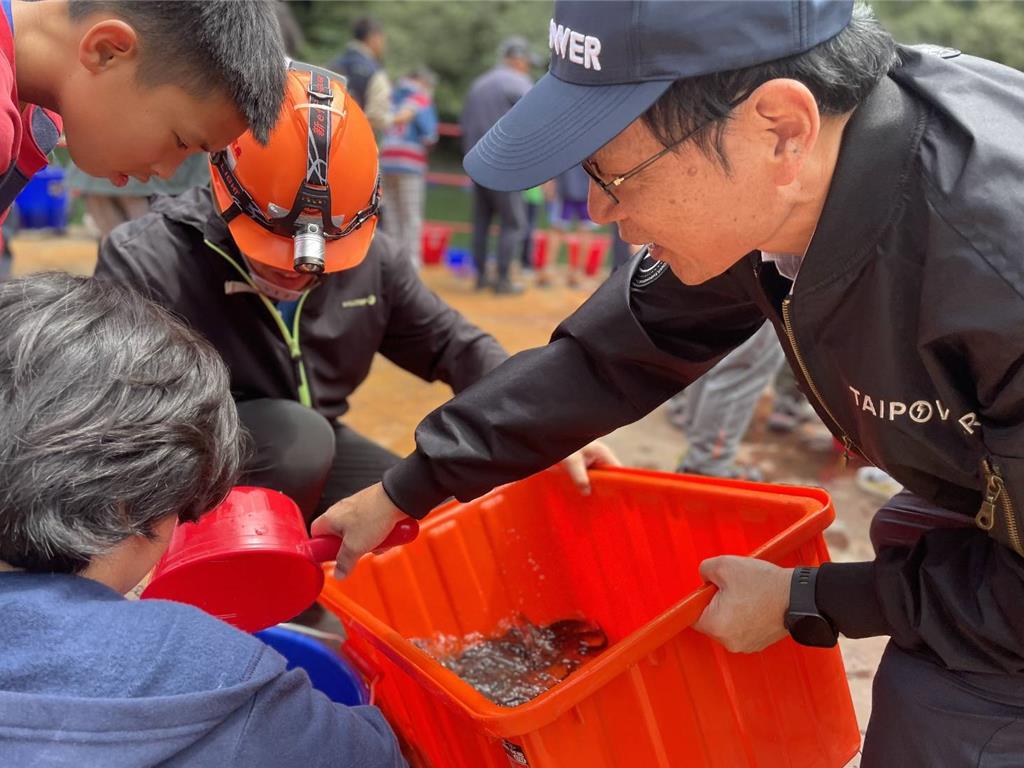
(661, 695)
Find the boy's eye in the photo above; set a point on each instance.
(181, 144)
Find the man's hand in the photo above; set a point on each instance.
(363, 521)
(595, 454)
(747, 613)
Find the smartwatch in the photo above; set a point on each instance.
(803, 621)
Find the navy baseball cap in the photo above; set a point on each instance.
(612, 59)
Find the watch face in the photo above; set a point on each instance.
(811, 629)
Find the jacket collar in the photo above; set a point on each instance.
(215, 229)
(194, 208)
(874, 164)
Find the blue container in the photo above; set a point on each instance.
(327, 670)
(43, 203)
(458, 260)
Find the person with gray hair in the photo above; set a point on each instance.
(490, 96)
(116, 423)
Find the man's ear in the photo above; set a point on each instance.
(107, 44)
(784, 117)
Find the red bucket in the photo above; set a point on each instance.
(434, 242)
(595, 257)
(250, 561)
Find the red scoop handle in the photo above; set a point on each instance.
(325, 548)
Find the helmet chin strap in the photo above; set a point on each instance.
(272, 290)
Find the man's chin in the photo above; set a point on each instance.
(691, 270)
(681, 268)
(687, 276)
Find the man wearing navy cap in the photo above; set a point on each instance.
(788, 161)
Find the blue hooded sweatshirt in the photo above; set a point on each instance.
(88, 678)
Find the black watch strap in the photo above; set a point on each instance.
(801, 590)
(803, 620)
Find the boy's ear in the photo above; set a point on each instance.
(107, 43)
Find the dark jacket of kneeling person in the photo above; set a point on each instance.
(115, 422)
(182, 256)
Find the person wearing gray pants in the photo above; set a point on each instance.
(511, 212)
(720, 404)
(490, 96)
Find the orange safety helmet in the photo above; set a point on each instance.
(308, 200)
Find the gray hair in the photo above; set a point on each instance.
(113, 417)
(231, 45)
(839, 72)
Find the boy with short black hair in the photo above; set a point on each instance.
(138, 86)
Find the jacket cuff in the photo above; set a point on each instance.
(845, 593)
(412, 487)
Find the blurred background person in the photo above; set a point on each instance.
(790, 409)
(361, 63)
(490, 96)
(403, 160)
(570, 223)
(717, 408)
(291, 30)
(534, 201)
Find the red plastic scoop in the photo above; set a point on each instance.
(250, 561)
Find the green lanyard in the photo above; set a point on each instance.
(291, 337)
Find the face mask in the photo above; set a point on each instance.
(272, 291)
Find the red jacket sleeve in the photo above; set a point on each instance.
(10, 120)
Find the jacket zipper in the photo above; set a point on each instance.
(848, 444)
(291, 338)
(997, 499)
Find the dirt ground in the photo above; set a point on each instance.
(392, 402)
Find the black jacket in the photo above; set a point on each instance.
(906, 326)
(379, 306)
(358, 68)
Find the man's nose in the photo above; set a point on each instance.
(600, 206)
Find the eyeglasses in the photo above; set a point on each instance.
(606, 186)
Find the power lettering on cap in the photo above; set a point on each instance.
(575, 46)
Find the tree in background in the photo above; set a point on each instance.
(458, 40)
(992, 29)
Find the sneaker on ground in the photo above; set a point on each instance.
(732, 472)
(788, 414)
(508, 288)
(877, 482)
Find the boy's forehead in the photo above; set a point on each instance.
(214, 127)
